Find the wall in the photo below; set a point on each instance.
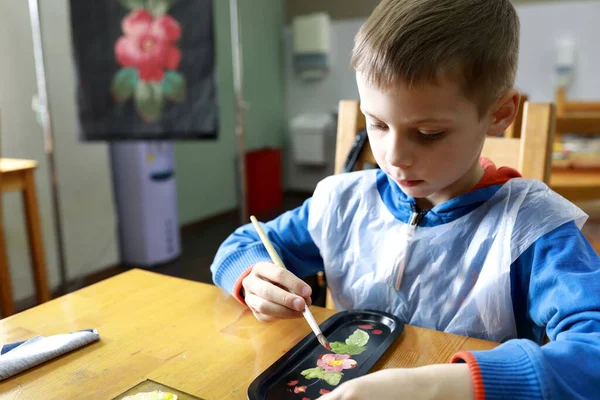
(541, 27)
(320, 96)
(85, 189)
(206, 172)
(542, 24)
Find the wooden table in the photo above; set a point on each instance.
(183, 334)
(17, 175)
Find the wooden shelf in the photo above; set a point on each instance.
(578, 123)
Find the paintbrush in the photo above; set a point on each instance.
(277, 261)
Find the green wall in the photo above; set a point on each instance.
(206, 172)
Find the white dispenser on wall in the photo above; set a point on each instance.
(309, 133)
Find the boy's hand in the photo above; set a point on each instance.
(270, 292)
(444, 381)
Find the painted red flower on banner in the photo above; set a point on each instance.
(148, 44)
(149, 57)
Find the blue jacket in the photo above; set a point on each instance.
(555, 288)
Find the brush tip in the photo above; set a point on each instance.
(324, 342)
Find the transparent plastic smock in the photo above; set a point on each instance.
(454, 277)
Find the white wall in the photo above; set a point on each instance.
(319, 97)
(83, 169)
(542, 24)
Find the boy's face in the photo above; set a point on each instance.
(428, 138)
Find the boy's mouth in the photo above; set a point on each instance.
(410, 183)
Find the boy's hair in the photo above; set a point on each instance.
(417, 41)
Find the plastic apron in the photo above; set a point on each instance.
(454, 277)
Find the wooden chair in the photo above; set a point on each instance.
(530, 154)
(565, 106)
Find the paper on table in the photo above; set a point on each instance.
(41, 349)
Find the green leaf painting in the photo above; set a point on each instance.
(173, 86)
(332, 378)
(132, 4)
(354, 345)
(124, 83)
(159, 7)
(149, 100)
(358, 338)
(343, 348)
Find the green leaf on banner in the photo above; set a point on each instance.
(132, 4)
(149, 100)
(358, 338)
(123, 83)
(159, 7)
(174, 86)
(333, 378)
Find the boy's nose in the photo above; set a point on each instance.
(399, 153)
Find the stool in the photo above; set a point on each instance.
(17, 175)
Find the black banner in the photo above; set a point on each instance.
(145, 69)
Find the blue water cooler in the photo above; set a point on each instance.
(146, 201)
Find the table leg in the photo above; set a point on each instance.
(34, 233)
(7, 306)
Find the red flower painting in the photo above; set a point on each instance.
(149, 57)
(148, 44)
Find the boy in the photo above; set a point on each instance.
(438, 236)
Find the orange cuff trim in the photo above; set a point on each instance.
(471, 361)
(237, 288)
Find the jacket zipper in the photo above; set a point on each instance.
(415, 219)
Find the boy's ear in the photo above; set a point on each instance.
(504, 112)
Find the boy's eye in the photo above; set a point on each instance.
(377, 127)
(428, 135)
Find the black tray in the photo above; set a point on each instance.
(278, 381)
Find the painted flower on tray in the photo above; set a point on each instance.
(300, 389)
(149, 57)
(330, 366)
(336, 362)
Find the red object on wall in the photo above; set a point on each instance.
(263, 177)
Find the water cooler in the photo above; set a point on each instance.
(146, 200)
